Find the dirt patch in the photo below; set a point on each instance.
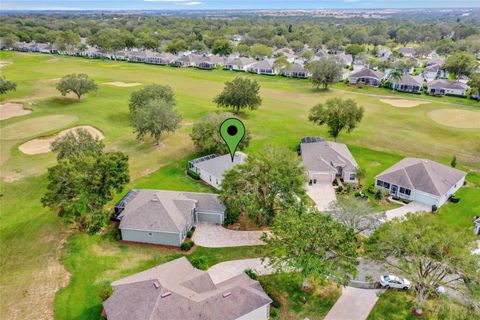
(42, 145)
(123, 84)
(4, 63)
(403, 103)
(455, 118)
(11, 109)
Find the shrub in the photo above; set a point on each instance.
(193, 174)
(434, 208)
(199, 262)
(357, 194)
(186, 245)
(378, 194)
(104, 291)
(251, 274)
(339, 189)
(455, 199)
(371, 189)
(190, 233)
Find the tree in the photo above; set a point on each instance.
(461, 64)
(281, 64)
(428, 252)
(242, 49)
(74, 144)
(154, 118)
(222, 47)
(198, 46)
(6, 85)
(312, 243)
(359, 37)
(265, 185)
(206, 136)
(154, 91)
(79, 84)
(259, 50)
(325, 72)
(473, 83)
(176, 46)
(453, 163)
(82, 182)
(356, 214)
(337, 114)
(67, 40)
(354, 50)
(395, 76)
(240, 93)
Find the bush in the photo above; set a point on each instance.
(251, 274)
(199, 262)
(378, 194)
(193, 174)
(371, 189)
(339, 189)
(190, 232)
(434, 208)
(186, 245)
(104, 291)
(455, 199)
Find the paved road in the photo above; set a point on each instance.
(215, 236)
(322, 194)
(228, 269)
(353, 304)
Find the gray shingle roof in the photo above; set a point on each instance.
(326, 155)
(423, 175)
(176, 290)
(219, 165)
(296, 67)
(447, 84)
(410, 80)
(166, 211)
(364, 73)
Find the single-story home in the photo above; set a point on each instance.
(344, 59)
(366, 77)
(383, 54)
(263, 67)
(435, 61)
(239, 64)
(211, 168)
(209, 62)
(326, 161)
(442, 87)
(296, 70)
(185, 61)
(421, 180)
(407, 51)
(176, 290)
(164, 217)
(408, 83)
(434, 71)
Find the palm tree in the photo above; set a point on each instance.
(395, 76)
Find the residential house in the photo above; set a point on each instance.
(211, 168)
(408, 83)
(421, 180)
(263, 67)
(176, 290)
(366, 77)
(185, 61)
(209, 62)
(164, 217)
(344, 59)
(296, 70)
(433, 72)
(358, 65)
(90, 52)
(383, 54)
(326, 161)
(435, 61)
(407, 51)
(239, 64)
(24, 46)
(442, 87)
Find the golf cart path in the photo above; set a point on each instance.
(228, 269)
(353, 304)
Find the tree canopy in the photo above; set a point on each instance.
(325, 72)
(222, 47)
(260, 50)
(154, 91)
(238, 94)
(461, 64)
(6, 85)
(79, 84)
(337, 114)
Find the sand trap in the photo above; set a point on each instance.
(10, 110)
(4, 63)
(123, 84)
(42, 145)
(456, 118)
(403, 103)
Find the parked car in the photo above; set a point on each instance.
(392, 281)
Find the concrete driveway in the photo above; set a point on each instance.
(215, 236)
(413, 207)
(353, 304)
(322, 194)
(228, 269)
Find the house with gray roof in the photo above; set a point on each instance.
(263, 67)
(367, 77)
(408, 83)
(296, 70)
(209, 62)
(239, 64)
(185, 61)
(421, 180)
(407, 51)
(443, 87)
(211, 168)
(164, 217)
(326, 161)
(177, 290)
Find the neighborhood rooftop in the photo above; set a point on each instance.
(326, 156)
(218, 165)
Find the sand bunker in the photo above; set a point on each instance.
(403, 103)
(4, 63)
(10, 110)
(455, 118)
(42, 145)
(123, 84)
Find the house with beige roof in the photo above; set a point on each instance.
(177, 290)
(326, 161)
(421, 180)
(164, 217)
(367, 77)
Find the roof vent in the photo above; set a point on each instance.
(156, 284)
(166, 294)
(227, 294)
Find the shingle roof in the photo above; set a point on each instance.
(165, 211)
(447, 84)
(241, 61)
(405, 50)
(421, 174)
(263, 64)
(410, 80)
(296, 67)
(326, 155)
(176, 290)
(364, 73)
(219, 165)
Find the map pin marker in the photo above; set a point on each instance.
(232, 132)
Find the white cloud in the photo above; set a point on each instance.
(192, 3)
(351, 1)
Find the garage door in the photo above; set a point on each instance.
(322, 177)
(213, 218)
(425, 199)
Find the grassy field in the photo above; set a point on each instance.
(38, 248)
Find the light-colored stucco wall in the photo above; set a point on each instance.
(262, 313)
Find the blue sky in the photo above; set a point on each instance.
(225, 4)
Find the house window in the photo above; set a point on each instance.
(402, 190)
(150, 234)
(386, 185)
(352, 176)
(407, 192)
(380, 183)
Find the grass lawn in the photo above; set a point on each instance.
(32, 238)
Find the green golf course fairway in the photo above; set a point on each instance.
(41, 254)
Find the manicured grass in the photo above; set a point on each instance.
(461, 214)
(32, 237)
(291, 302)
